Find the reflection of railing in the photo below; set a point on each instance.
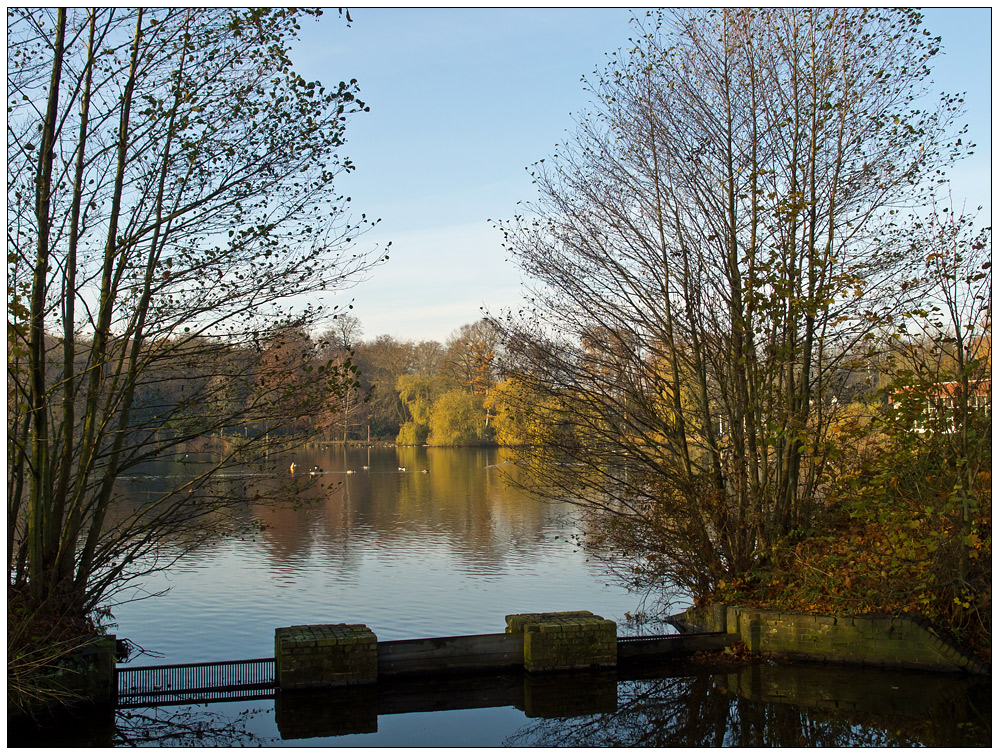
(244, 679)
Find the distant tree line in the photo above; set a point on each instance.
(410, 392)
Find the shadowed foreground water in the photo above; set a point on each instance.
(672, 706)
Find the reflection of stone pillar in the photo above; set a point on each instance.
(324, 713)
(565, 640)
(88, 679)
(570, 695)
(318, 656)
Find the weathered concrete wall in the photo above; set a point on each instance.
(899, 642)
(565, 640)
(92, 673)
(323, 656)
(312, 656)
(86, 676)
(78, 708)
(497, 651)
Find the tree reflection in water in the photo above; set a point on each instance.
(186, 727)
(743, 706)
(702, 711)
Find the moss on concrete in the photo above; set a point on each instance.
(566, 640)
(316, 656)
(901, 642)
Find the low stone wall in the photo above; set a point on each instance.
(899, 642)
(91, 672)
(325, 656)
(464, 653)
(76, 706)
(565, 640)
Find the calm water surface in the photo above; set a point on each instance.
(451, 551)
(411, 554)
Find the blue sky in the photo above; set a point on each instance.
(463, 99)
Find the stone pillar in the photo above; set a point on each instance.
(320, 656)
(565, 640)
(88, 674)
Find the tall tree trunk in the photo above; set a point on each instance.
(40, 522)
(102, 335)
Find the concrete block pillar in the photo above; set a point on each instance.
(565, 640)
(751, 631)
(321, 656)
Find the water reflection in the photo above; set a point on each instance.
(323, 713)
(450, 552)
(411, 554)
(457, 505)
(763, 706)
(185, 727)
(751, 706)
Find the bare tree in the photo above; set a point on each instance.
(337, 348)
(381, 361)
(472, 355)
(170, 194)
(707, 248)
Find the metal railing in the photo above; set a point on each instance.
(640, 638)
(245, 679)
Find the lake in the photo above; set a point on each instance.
(449, 551)
(423, 542)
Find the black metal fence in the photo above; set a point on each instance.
(245, 679)
(642, 638)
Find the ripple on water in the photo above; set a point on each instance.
(414, 556)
